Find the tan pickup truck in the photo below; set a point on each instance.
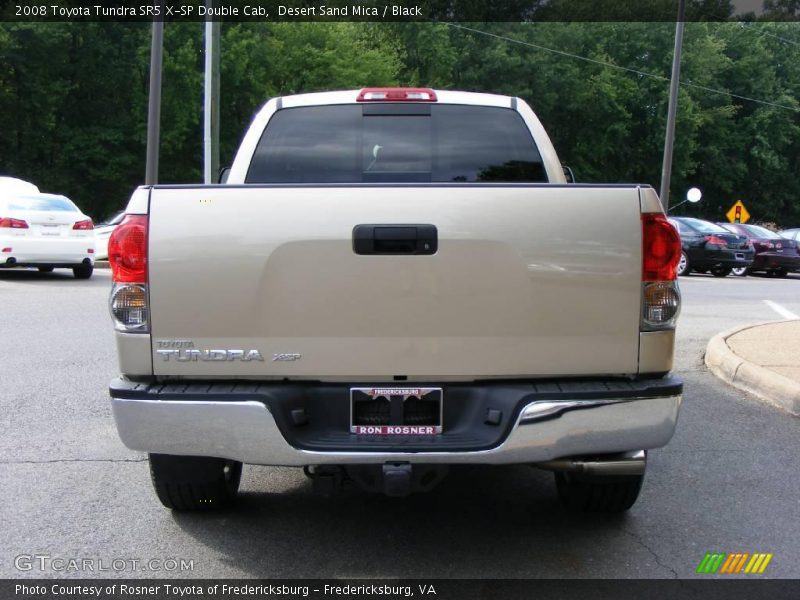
(390, 282)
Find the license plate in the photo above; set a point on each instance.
(739, 256)
(402, 411)
(50, 229)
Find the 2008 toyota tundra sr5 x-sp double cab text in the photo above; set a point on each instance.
(393, 281)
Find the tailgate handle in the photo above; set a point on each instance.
(395, 239)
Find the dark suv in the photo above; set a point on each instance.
(707, 247)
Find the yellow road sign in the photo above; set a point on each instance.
(738, 213)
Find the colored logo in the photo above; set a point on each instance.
(734, 563)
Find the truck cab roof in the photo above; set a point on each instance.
(442, 97)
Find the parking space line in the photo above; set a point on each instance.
(784, 312)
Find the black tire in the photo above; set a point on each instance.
(189, 483)
(45, 269)
(740, 271)
(684, 266)
(781, 273)
(592, 493)
(83, 271)
(721, 271)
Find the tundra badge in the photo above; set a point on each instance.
(184, 351)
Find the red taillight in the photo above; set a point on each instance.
(396, 95)
(9, 223)
(85, 224)
(718, 241)
(127, 250)
(661, 248)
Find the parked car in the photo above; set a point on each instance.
(382, 313)
(12, 185)
(792, 234)
(775, 255)
(707, 247)
(102, 231)
(45, 231)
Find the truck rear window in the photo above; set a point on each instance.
(396, 143)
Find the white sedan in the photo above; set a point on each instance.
(45, 231)
(12, 185)
(792, 234)
(102, 232)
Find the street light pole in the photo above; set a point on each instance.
(211, 103)
(154, 101)
(669, 140)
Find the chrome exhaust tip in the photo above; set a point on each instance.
(629, 463)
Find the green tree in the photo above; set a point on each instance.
(73, 97)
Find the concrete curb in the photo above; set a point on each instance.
(101, 264)
(750, 377)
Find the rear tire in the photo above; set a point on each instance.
(740, 271)
(593, 493)
(684, 267)
(721, 271)
(45, 269)
(83, 271)
(781, 272)
(192, 483)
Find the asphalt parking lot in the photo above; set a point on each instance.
(727, 482)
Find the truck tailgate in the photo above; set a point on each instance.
(528, 280)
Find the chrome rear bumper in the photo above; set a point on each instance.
(545, 430)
